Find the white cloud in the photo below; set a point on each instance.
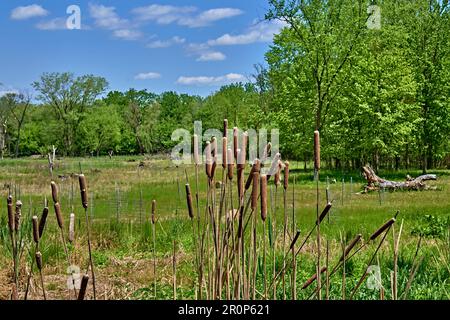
(157, 44)
(162, 14)
(212, 56)
(184, 16)
(53, 24)
(147, 76)
(207, 17)
(27, 12)
(261, 32)
(211, 81)
(107, 18)
(127, 34)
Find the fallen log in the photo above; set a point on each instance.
(374, 182)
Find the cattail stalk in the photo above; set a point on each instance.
(83, 287)
(153, 220)
(316, 171)
(285, 216)
(39, 266)
(84, 202)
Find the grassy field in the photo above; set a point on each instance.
(121, 191)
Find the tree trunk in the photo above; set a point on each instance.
(374, 182)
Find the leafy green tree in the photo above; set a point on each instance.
(69, 97)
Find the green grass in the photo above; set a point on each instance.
(123, 238)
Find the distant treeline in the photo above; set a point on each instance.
(375, 83)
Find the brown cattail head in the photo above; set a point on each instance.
(224, 152)
(235, 142)
(266, 152)
(297, 234)
(213, 167)
(39, 260)
(35, 229)
(230, 164)
(189, 201)
(243, 151)
(313, 278)
(208, 163)
(225, 128)
(42, 221)
(256, 167)
(277, 177)
(316, 150)
(83, 287)
(58, 213)
(263, 196)
(72, 227)
(153, 211)
(196, 153)
(324, 213)
(213, 147)
(274, 167)
(83, 190)
(240, 181)
(255, 184)
(286, 175)
(54, 192)
(11, 215)
(18, 215)
(352, 244)
(382, 228)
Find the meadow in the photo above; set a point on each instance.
(135, 258)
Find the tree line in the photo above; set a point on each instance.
(378, 95)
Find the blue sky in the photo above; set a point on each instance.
(187, 46)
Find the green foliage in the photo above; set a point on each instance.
(432, 226)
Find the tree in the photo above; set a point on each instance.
(17, 105)
(69, 97)
(325, 34)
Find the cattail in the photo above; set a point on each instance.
(58, 213)
(224, 152)
(274, 167)
(316, 150)
(54, 192)
(39, 260)
(263, 179)
(286, 175)
(297, 234)
(83, 190)
(42, 221)
(230, 164)
(313, 278)
(256, 167)
(382, 228)
(255, 184)
(189, 201)
(225, 128)
(196, 154)
(18, 215)
(11, 216)
(235, 142)
(324, 212)
(72, 227)
(240, 176)
(277, 177)
(213, 147)
(35, 229)
(153, 211)
(266, 152)
(208, 163)
(351, 246)
(83, 287)
(243, 151)
(213, 167)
